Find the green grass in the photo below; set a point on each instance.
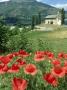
(53, 40)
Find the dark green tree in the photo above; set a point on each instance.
(39, 18)
(33, 22)
(62, 15)
(3, 36)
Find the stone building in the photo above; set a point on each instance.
(53, 19)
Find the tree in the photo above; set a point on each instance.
(36, 20)
(33, 22)
(39, 17)
(3, 36)
(62, 15)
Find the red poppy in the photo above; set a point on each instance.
(50, 55)
(23, 53)
(20, 62)
(61, 55)
(10, 56)
(56, 62)
(14, 69)
(40, 53)
(46, 52)
(3, 68)
(58, 71)
(65, 56)
(5, 59)
(65, 63)
(39, 58)
(50, 79)
(19, 84)
(30, 69)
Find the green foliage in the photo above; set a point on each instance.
(18, 40)
(39, 17)
(62, 15)
(3, 36)
(44, 45)
(33, 22)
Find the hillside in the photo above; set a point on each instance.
(22, 10)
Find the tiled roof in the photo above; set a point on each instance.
(51, 17)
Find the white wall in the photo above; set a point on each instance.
(55, 21)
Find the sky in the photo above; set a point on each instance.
(3, 0)
(55, 3)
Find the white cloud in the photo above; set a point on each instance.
(3, 0)
(61, 6)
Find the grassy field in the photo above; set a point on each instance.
(55, 40)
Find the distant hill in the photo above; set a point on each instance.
(21, 11)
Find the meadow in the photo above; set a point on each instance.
(28, 70)
(55, 40)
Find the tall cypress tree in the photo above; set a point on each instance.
(39, 17)
(62, 15)
(33, 22)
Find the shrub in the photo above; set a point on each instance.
(18, 40)
(3, 37)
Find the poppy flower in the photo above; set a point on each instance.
(23, 53)
(65, 66)
(14, 69)
(60, 55)
(30, 69)
(19, 84)
(50, 79)
(56, 62)
(58, 71)
(65, 56)
(5, 59)
(39, 53)
(46, 52)
(3, 68)
(65, 63)
(20, 62)
(50, 55)
(39, 58)
(10, 56)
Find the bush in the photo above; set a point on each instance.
(18, 41)
(3, 37)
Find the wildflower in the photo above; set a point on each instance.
(30, 69)
(23, 53)
(5, 59)
(14, 68)
(61, 55)
(50, 79)
(20, 62)
(39, 56)
(56, 62)
(58, 71)
(19, 84)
